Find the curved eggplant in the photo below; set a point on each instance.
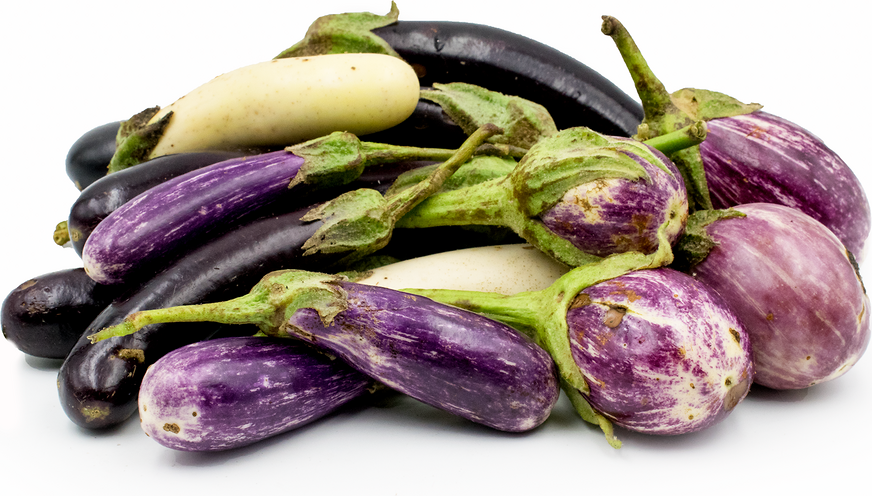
(88, 158)
(109, 192)
(807, 312)
(508, 63)
(44, 316)
(231, 392)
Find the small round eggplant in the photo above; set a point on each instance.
(231, 392)
(761, 158)
(663, 354)
(797, 290)
(45, 316)
(88, 158)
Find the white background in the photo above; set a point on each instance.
(75, 65)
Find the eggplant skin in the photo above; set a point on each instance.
(110, 192)
(44, 316)
(88, 159)
(794, 286)
(761, 158)
(449, 358)
(231, 392)
(508, 63)
(662, 353)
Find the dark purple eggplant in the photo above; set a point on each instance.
(109, 192)
(88, 158)
(231, 392)
(45, 316)
(795, 287)
(749, 156)
(449, 358)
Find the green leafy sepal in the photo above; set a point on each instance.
(345, 33)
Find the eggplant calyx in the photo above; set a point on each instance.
(695, 244)
(269, 304)
(61, 234)
(524, 122)
(345, 33)
(137, 138)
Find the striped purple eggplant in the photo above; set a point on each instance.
(163, 219)
(662, 353)
(449, 358)
(231, 392)
(615, 215)
(795, 287)
(759, 157)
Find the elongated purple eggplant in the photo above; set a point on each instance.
(45, 316)
(758, 157)
(795, 287)
(461, 362)
(663, 353)
(749, 156)
(88, 159)
(231, 392)
(108, 193)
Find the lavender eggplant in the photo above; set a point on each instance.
(88, 159)
(806, 309)
(227, 393)
(45, 316)
(446, 52)
(750, 156)
(109, 192)
(452, 359)
(650, 350)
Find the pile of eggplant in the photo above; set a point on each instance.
(236, 244)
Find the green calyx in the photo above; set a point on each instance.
(137, 138)
(524, 122)
(542, 314)
(269, 305)
(345, 33)
(665, 112)
(695, 244)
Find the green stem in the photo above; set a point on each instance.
(382, 153)
(684, 138)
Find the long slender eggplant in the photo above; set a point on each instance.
(226, 393)
(45, 315)
(109, 192)
(449, 358)
(88, 159)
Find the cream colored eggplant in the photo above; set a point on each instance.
(287, 101)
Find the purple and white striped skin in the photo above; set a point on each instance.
(231, 392)
(661, 352)
(759, 157)
(449, 358)
(790, 281)
(160, 221)
(617, 215)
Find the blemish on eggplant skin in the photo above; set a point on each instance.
(614, 316)
(770, 317)
(735, 335)
(174, 428)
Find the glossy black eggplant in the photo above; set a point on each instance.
(108, 193)
(88, 158)
(44, 316)
(502, 61)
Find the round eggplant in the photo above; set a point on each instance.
(45, 316)
(662, 353)
(231, 392)
(795, 287)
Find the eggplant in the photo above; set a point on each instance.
(501, 61)
(45, 316)
(576, 195)
(749, 156)
(806, 311)
(651, 350)
(449, 358)
(88, 159)
(231, 392)
(109, 192)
